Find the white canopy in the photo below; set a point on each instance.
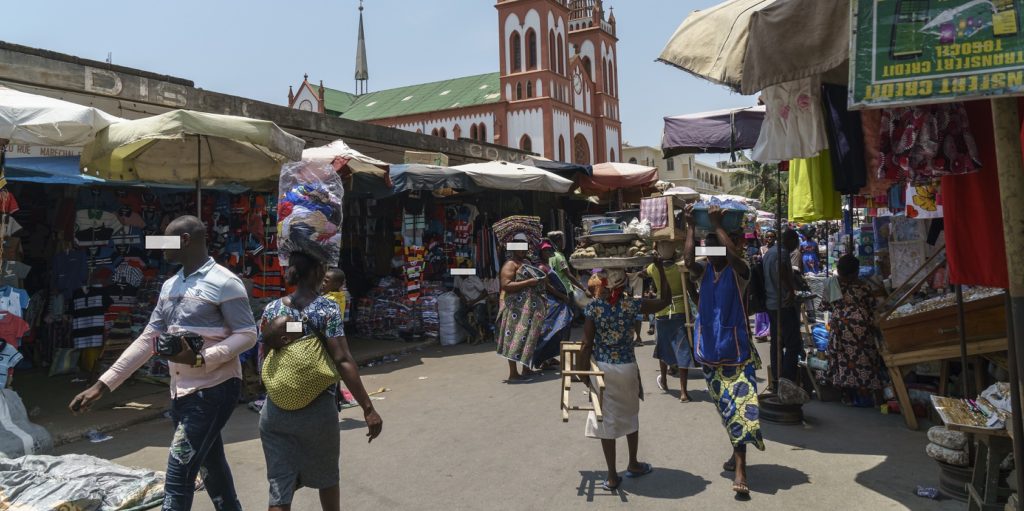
(502, 175)
(39, 120)
(356, 161)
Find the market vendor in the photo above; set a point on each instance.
(672, 347)
(721, 343)
(522, 311)
(607, 337)
(558, 322)
(854, 364)
(560, 265)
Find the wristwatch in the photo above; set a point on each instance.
(200, 361)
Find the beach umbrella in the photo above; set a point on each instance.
(411, 177)
(748, 45)
(503, 175)
(40, 120)
(564, 169)
(610, 176)
(346, 158)
(186, 147)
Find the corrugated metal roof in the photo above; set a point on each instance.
(416, 99)
(336, 101)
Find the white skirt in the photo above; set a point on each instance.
(621, 403)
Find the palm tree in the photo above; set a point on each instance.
(758, 181)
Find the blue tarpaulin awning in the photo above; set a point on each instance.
(58, 170)
(65, 170)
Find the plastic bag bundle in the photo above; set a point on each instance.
(309, 212)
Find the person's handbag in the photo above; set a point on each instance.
(299, 372)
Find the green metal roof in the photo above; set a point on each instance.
(336, 101)
(416, 99)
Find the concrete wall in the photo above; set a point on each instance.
(132, 94)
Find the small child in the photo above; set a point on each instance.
(334, 290)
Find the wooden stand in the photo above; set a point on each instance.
(935, 335)
(594, 379)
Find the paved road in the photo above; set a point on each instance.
(456, 438)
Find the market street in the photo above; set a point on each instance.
(455, 437)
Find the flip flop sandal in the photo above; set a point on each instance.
(729, 465)
(646, 468)
(741, 489)
(607, 487)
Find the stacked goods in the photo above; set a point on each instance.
(506, 228)
(309, 212)
(611, 251)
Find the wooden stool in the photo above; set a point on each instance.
(570, 350)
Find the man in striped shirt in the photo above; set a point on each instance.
(203, 298)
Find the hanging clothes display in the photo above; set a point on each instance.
(846, 141)
(793, 125)
(975, 248)
(88, 307)
(811, 196)
(924, 142)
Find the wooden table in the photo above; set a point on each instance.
(994, 445)
(894, 362)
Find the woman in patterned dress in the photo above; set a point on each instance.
(301, 446)
(854, 363)
(721, 341)
(608, 337)
(522, 311)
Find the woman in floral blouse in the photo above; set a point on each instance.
(608, 337)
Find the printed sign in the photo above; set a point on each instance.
(907, 52)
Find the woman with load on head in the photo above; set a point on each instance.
(608, 338)
(299, 423)
(721, 340)
(522, 310)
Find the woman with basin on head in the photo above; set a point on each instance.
(608, 338)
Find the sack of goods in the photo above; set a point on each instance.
(309, 212)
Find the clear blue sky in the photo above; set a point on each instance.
(258, 48)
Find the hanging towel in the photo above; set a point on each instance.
(655, 211)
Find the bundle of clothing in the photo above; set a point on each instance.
(506, 228)
(309, 212)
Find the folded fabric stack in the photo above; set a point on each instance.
(506, 228)
(309, 212)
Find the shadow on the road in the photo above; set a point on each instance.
(663, 483)
(347, 424)
(770, 479)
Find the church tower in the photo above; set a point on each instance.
(534, 80)
(362, 70)
(593, 45)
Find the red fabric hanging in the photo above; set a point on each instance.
(975, 248)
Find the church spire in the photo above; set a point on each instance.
(362, 71)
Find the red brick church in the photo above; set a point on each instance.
(556, 93)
